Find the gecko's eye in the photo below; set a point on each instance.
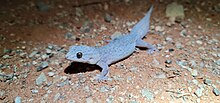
(79, 55)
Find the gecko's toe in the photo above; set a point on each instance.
(152, 50)
(101, 78)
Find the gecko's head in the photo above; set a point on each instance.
(84, 54)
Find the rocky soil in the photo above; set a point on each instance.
(35, 35)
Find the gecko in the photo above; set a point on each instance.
(117, 49)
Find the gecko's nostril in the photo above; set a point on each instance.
(79, 55)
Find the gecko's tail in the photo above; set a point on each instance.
(142, 27)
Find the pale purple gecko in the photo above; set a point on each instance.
(117, 49)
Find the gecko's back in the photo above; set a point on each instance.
(123, 46)
(117, 49)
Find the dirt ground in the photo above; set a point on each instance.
(35, 35)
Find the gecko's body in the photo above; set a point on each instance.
(115, 50)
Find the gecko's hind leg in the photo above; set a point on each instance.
(143, 44)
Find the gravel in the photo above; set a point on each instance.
(194, 73)
(208, 81)
(199, 91)
(174, 10)
(71, 101)
(104, 89)
(116, 35)
(56, 97)
(42, 66)
(69, 35)
(160, 75)
(168, 61)
(17, 99)
(41, 6)
(216, 91)
(34, 91)
(33, 54)
(107, 17)
(148, 94)
(41, 79)
(89, 100)
(50, 74)
(110, 99)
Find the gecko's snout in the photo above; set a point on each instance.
(67, 56)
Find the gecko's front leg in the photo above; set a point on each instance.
(103, 75)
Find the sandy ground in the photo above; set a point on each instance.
(36, 34)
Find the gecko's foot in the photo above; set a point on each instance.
(100, 78)
(152, 50)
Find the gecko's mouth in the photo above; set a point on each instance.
(69, 58)
(76, 60)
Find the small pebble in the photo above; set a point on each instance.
(216, 91)
(199, 42)
(183, 33)
(23, 55)
(18, 99)
(160, 75)
(146, 93)
(41, 79)
(50, 74)
(63, 83)
(42, 66)
(79, 12)
(2, 94)
(68, 35)
(71, 101)
(218, 62)
(169, 24)
(171, 50)
(194, 73)
(196, 82)
(174, 10)
(192, 63)
(107, 17)
(169, 39)
(41, 6)
(50, 47)
(56, 97)
(104, 89)
(34, 91)
(179, 45)
(133, 69)
(116, 35)
(168, 61)
(48, 51)
(217, 7)
(198, 92)
(33, 54)
(208, 81)
(34, 63)
(6, 57)
(5, 51)
(89, 100)
(110, 99)
(44, 56)
(159, 29)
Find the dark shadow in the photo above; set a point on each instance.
(142, 48)
(77, 67)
